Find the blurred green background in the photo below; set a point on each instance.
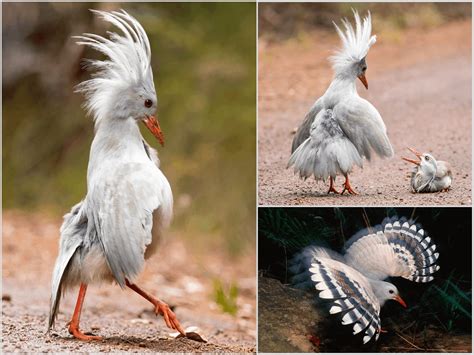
(280, 21)
(203, 56)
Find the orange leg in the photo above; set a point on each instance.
(74, 323)
(331, 186)
(347, 186)
(160, 308)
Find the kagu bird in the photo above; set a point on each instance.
(429, 174)
(354, 282)
(110, 233)
(342, 128)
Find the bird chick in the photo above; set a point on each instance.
(429, 174)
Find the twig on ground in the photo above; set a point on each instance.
(408, 341)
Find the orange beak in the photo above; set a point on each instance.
(399, 300)
(152, 124)
(364, 80)
(418, 154)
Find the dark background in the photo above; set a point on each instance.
(445, 302)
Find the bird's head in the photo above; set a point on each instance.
(385, 291)
(350, 59)
(122, 86)
(426, 162)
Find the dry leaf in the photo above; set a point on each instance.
(191, 333)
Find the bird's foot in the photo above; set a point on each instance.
(74, 331)
(382, 330)
(171, 321)
(348, 188)
(332, 189)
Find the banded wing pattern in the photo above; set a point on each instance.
(351, 293)
(414, 248)
(399, 249)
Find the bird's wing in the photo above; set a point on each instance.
(304, 130)
(326, 152)
(400, 249)
(351, 294)
(300, 264)
(363, 125)
(121, 205)
(72, 231)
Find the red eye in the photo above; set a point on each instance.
(148, 103)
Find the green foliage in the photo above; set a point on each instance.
(226, 298)
(449, 303)
(203, 56)
(292, 232)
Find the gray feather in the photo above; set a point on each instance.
(72, 233)
(364, 127)
(303, 131)
(327, 152)
(121, 209)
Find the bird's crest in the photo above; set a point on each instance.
(355, 43)
(128, 62)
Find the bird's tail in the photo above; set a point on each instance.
(304, 158)
(72, 231)
(301, 262)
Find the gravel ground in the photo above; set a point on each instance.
(421, 85)
(125, 320)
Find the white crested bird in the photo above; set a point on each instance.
(342, 128)
(109, 234)
(429, 174)
(355, 282)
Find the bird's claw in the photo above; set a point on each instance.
(170, 318)
(349, 189)
(331, 186)
(332, 189)
(76, 333)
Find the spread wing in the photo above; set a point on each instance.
(400, 249)
(122, 204)
(351, 294)
(363, 125)
(304, 130)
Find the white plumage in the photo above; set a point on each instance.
(129, 203)
(354, 281)
(429, 174)
(342, 128)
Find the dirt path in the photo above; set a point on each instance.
(421, 85)
(126, 321)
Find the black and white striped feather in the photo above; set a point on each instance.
(354, 281)
(399, 249)
(352, 295)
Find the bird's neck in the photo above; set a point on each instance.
(116, 139)
(343, 84)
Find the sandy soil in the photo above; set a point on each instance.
(125, 320)
(421, 85)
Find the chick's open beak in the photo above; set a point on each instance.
(364, 80)
(399, 300)
(418, 154)
(152, 124)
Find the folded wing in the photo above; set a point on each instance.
(124, 202)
